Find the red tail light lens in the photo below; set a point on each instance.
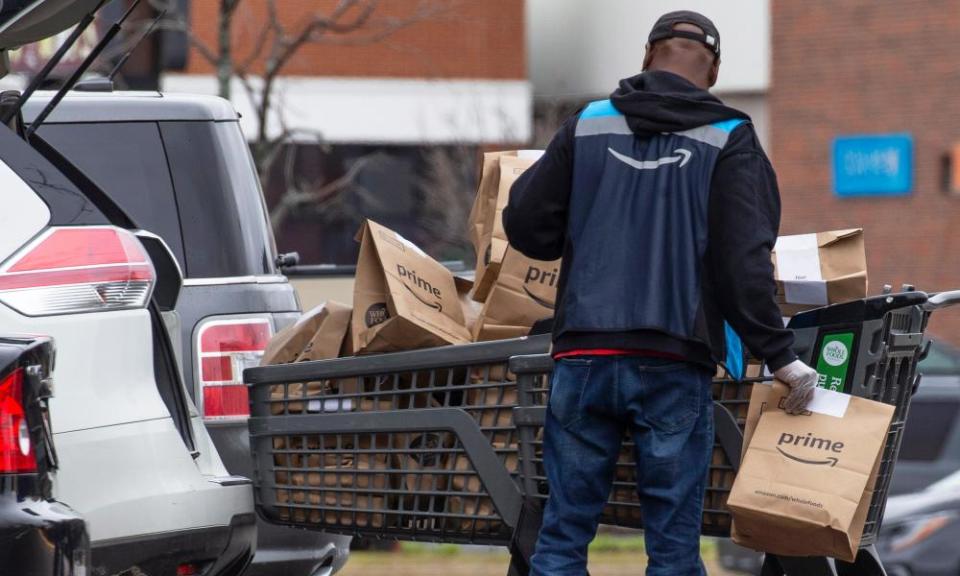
(224, 349)
(82, 269)
(16, 450)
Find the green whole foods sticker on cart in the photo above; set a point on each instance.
(834, 360)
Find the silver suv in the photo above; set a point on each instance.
(180, 167)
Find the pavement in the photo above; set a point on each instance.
(453, 562)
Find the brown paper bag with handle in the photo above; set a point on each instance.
(806, 481)
(317, 335)
(501, 170)
(403, 299)
(471, 308)
(484, 206)
(524, 292)
(759, 395)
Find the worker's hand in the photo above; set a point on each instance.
(802, 380)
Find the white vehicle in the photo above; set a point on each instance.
(135, 458)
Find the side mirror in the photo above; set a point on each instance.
(169, 276)
(287, 260)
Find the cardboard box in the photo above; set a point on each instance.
(403, 299)
(813, 270)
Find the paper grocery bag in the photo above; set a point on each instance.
(288, 344)
(500, 171)
(814, 270)
(332, 476)
(484, 206)
(759, 395)
(523, 293)
(317, 335)
(403, 299)
(471, 308)
(805, 482)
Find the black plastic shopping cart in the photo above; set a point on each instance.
(444, 445)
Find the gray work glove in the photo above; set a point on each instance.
(802, 380)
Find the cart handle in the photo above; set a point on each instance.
(942, 300)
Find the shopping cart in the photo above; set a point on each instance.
(444, 444)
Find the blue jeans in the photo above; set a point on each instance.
(667, 408)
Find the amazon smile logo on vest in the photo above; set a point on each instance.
(682, 156)
(808, 440)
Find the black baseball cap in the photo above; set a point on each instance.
(663, 29)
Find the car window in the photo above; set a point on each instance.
(929, 424)
(222, 213)
(127, 161)
(941, 359)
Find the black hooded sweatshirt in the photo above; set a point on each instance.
(743, 222)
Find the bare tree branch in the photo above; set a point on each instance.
(259, 68)
(257, 51)
(293, 198)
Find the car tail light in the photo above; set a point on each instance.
(16, 449)
(81, 269)
(224, 349)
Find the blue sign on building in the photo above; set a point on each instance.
(878, 165)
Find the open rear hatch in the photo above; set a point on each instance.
(26, 21)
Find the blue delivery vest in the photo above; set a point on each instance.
(637, 226)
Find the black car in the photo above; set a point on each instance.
(180, 167)
(38, 535)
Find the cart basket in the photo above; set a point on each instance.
(445, 444)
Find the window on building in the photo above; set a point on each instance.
(319, 196)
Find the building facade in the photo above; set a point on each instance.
(872, 67)
(578, 51)
(456, 72)
(382, 121)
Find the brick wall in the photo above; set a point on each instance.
(871, 66)
(471, 39)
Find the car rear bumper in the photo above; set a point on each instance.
(40, 538)
(281, 550)
(219, 550)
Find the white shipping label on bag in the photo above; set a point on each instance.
(798, 267)
(805, 292)
(829, 402)
(529, 154)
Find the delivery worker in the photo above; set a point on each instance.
(665, 210)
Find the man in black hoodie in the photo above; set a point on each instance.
(665, 210)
